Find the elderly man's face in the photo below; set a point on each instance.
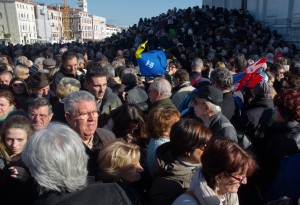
(199, 106)
(153, 94)
(84, 120)
(40, 118)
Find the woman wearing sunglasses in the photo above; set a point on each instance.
(225, 167)
(19, 89)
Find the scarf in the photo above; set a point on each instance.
(204, 194)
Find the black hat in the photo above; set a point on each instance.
(208, 92)
(38, 80)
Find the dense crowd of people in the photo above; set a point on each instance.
(80, 124)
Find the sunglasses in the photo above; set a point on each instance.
(18, 85)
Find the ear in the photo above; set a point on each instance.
(50, 116)
(86, 85)
(68, 117)
(218, 178)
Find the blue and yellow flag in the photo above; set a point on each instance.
(151, 63)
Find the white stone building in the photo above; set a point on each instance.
(42, 23)
(99, 28)
(56, 24)
(17, 21)
(112, 29)
(283, 16)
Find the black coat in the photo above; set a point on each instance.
(283, 141)
(94, 194)
(258, 117)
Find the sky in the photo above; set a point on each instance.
(128, 12)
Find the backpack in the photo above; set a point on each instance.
(243, 139)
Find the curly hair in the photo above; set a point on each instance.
(292, 80)
(222, 77)
(288, 104)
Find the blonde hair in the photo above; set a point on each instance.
(116, 158)
(20, 70)
(66, 86)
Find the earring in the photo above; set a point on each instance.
(217, 188)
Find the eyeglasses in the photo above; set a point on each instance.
(240, 180)
(42, 116)
(86, 115)
(18, 85)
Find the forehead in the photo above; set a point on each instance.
(71, 61)
(85, 105)
(5, 77)
(3, 100)
(41, 110)
(99, 80)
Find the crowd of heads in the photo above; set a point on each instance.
(119, 120)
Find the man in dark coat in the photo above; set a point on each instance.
(82, 116)
(68, 69)
(160, 91)
(206, 104)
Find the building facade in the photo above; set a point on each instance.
(99, 28)
(42, 23)
(56, 24)
(81, 25)
(17, 21)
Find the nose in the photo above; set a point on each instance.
(139, 168)
(244, 181)
(14, 143)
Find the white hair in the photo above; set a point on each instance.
(163, 86)
(214, 109)
(75, 97)
(57, 159)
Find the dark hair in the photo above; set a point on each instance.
(95, 72)
(129, 123)
(187, 135)
(40, 102)
(176, 63)
(182, 75)
(68, 55)
(222, 77)
(240, 62)
(288, 104)
(292, 80)
(223, 155)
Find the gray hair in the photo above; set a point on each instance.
(214, 109)
(39, 61)
(111, 73)
(40, 102)
(163, 86)
(75, 97)
(129, 76)
(57, 159)
(197, 64)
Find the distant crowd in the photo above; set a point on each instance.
(81, 124)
